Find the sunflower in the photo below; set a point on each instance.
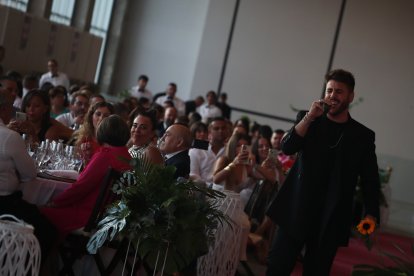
(366, 226)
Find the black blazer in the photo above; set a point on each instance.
(355, 158)
(181, 161)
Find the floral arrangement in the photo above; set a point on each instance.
(169, 222)
(365, 228)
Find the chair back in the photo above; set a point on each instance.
(105, 197)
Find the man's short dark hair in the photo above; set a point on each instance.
(343, 76)
(54, 61)
(113, 131)
(279, 131)
(143, 77)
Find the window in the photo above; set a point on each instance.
(20, 5)
(62, 11)
(99, 26)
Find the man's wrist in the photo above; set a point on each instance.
(307, 118)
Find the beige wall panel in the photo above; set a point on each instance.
(83, 57)
(92, 62)
(37, 45)
(62, 45)
(74, 55)
(3, 17)
(15, 58)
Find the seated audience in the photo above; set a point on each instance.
(140, 90)
(170, 96)
(10, 84)
(174, 145)
(30, 82)
(209, 110)
(202, 161)
(39, 126)
(244, 123)
(232, 170)
(170, 114)
(58, 100)
(71, 209)
(54, 76)
(199, 131)
(86, 136)
(193, 117)
(16, 169)
(94, 98)
(17, 77)
(225, 108)
(121, 110)
(192, 105)
(144, 139)
(79, 105)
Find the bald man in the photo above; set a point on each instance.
(174, 145)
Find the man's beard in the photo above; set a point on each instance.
(343, 106)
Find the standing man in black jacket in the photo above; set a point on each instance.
(314, 205)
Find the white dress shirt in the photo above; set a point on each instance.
(209, 111)
(15, 163)
(134, 92)
(202, 164)
(178, 104)
(60, 79)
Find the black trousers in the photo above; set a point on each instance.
(285, 249)
(44, 231)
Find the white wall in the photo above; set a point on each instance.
(162, 40)
(376, 43)
(278, 57)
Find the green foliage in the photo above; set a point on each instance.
(403, 266)
(124, 94)
(162, 215)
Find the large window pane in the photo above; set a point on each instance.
(16, 4)
(99, 26)
(62, 11)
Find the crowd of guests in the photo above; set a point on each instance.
(196, 136)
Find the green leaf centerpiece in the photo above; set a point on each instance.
(169, 222)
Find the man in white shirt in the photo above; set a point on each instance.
(140, 90)
(209, 110)
(170, 96)
(202, 161)
(16, 168)
(54, 76)
(79, 105)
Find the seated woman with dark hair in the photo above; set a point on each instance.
(59, 101)
(86, 135)
(71, 209)
(39, 126)
(143, 137)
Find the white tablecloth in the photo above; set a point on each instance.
(40, 190)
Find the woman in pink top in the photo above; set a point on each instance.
(71, 209)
